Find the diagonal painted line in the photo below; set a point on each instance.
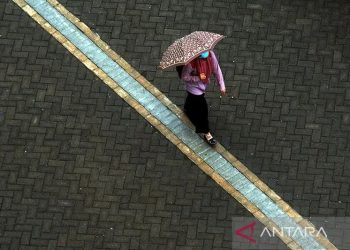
(224, 168)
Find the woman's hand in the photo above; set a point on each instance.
(223, 92)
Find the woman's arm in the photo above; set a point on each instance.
(217, 72)
(186, 74)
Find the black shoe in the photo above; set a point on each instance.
(210, 141)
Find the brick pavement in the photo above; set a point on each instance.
(61, 142)
(286, 66)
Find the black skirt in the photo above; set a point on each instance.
(196, 108)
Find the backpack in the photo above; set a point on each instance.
(179, 70)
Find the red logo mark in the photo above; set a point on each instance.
(250, 226)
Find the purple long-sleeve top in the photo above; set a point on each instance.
(192, 81)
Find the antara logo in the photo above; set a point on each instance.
(292, 232)
(249, 237)
(247, 232)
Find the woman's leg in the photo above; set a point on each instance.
(202, 112)
(196, 109)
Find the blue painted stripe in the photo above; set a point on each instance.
(220, 166)
(194, 143)
(231, 174)
(159, 110)
(176, 125)
(210, 155)
(36, 4)
(203, 149)
(169, 119)
(214, 160)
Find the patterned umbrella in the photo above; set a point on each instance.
(187, 48)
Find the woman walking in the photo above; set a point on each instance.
(194, 51)
(196, 76)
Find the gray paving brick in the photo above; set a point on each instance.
(85, 146)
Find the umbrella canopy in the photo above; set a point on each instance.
(187, 48)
